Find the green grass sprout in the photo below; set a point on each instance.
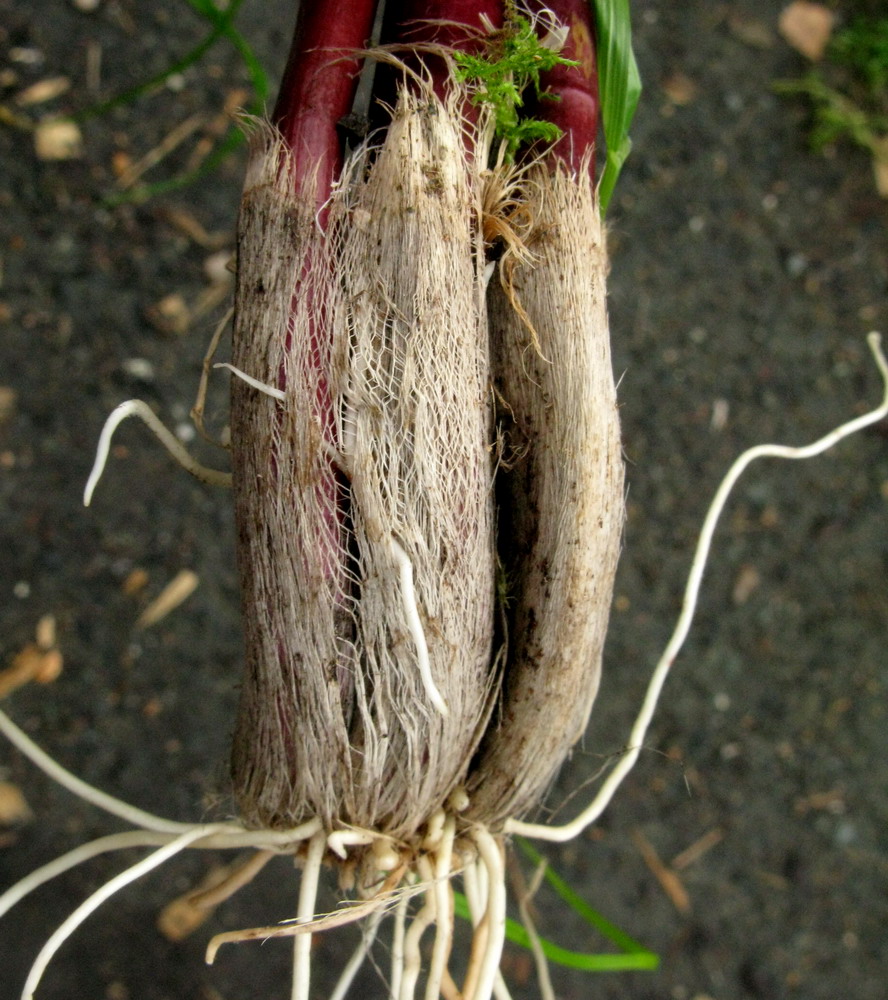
(619, 88)
(513, 62)
(849, 93)
(632, 956)
(863, 48)
(223, 21)
(222, 26)
(634, 953)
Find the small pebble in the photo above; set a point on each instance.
(57, 139)
(140, 368)
(26, 56)
(846, 833)
(796, 265)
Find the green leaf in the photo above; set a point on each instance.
(146, 86)
(223, 20)
(632, 956)
(619, 87)
(642, 960)
(863, 47)
(592, 917)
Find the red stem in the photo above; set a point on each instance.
(440, 21)
(319, 85)
(577, 112)
(317, 90)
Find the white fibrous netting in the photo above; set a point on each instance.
(378, 663)
(365, 500)
(291, 751)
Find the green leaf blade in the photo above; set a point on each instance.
(619, 87)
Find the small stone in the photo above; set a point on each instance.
(43, 91)
(680, 89)
(796, 265)
(14, 809)
(747, 581)
(217, 268)
(171, 314)
(807, 27)
(58, 139)
(140, 368)
(26, 56)
(135, 582)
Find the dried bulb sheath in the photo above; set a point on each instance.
(364, 499)
(295, 696)
(560, 493)
(412, 385)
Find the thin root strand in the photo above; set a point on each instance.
(93, 902)
(136, 408)
(560, 834)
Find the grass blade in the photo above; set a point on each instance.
(638, 960)
(592, 917)
(632, 955)
(223, 21)
(619, 87)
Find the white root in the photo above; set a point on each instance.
(500, 990)
(308, 894)
(340, 840)
(434, 830)
(492, 861)
(544, 979)
(358, 958)
(229, 835)
(443, 910)
(560, 834)
(476, 882)
(136, 408)
(477, 899)
(414, 626)
(425, 916)
(269, 390)
(398, 935)
(93, 902)
(85, 852)
(137, 817)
